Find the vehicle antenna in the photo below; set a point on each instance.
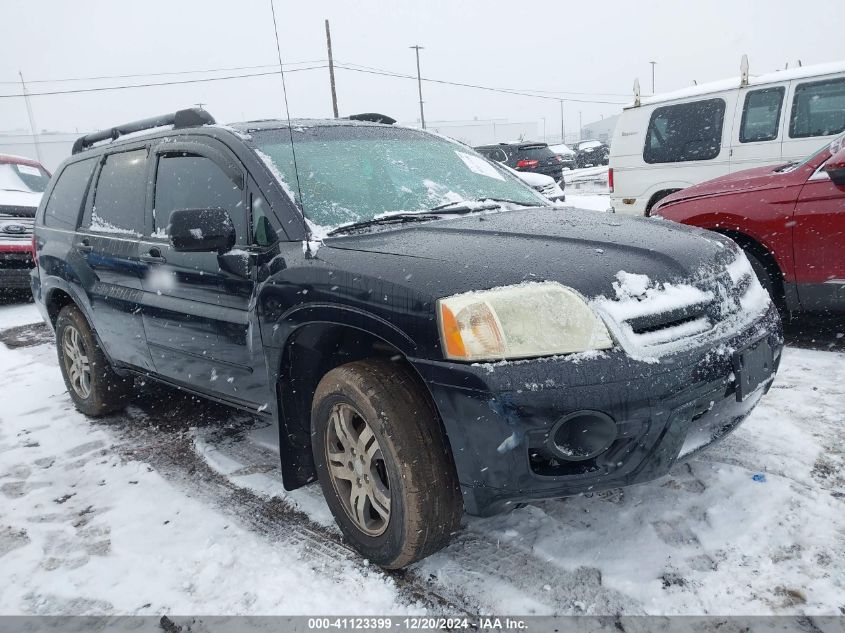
(287, 114)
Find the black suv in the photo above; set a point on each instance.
(429, 334)
(591, 154)
(527, 156)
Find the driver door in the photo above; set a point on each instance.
(196, 304)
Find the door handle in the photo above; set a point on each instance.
(84, 247)
(154, 256)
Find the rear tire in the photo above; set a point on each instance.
(92, 384)
(383, 463)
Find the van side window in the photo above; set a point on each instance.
(761, 115)
(120, 194)
(684, 132)
(65, 203)
(190, 181)
(818, 109)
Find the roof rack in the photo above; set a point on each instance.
(190, 117)
(372, 117)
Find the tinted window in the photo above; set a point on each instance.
(536, 153)
(120, 194)
(761, 115)
(818, 109)
(67, 196)
(683, 132)
(264, 232)
(188, 181)
(494, 154)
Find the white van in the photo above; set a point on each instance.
(671, 141)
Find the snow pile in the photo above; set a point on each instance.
(84, 530)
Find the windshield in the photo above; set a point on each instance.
(832, 146)
(23, 177)
(356, 173)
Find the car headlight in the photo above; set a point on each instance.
(521, 321)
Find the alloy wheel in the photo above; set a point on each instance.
(357, 470)
(76, 362)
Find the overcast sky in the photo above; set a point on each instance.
(581, 47)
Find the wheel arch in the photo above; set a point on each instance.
(312, 349)
(766, 257)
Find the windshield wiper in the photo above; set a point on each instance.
(396, 218)
(467, 206)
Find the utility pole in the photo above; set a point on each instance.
(653, 64)
(31, 117)
(562, 128)
(331, 69)
(417, 47)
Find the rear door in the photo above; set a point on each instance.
(197, 305)
(819, 236)
(107, 245)
(758, 127)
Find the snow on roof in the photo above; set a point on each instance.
(801, 72)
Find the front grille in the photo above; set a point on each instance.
(16, 230)
(546, 190)
(666, 318)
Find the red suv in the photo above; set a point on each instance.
(789, 219)
(22, 181)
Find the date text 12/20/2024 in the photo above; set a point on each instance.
(486, 623)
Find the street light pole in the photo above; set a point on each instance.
(653, 64)
(417, 47)
(562, 128)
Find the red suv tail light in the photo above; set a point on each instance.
(610, 179)
(527, 163)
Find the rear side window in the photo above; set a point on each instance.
(761, 115)
(120, 195)
(188, 181)
(65, 202)
(818, 109)
(684, 132)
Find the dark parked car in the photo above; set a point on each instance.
(22, 181)
(591, 154)
(803, 267)
(527, 156)
(479, 348)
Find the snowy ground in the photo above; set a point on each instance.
(176, 506)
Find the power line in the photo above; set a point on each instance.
(345, 66)
(551, 92)
(475, 86)
(163, 73)
(159, 83)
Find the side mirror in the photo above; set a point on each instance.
(202, 231)
(835, 168)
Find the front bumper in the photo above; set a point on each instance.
(15, 267)
(499, 416)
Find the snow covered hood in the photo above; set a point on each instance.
(581, 249)
(25, 199)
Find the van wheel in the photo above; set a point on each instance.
(92, 384)
(383, 463)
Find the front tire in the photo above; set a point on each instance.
(92, 384)
(383, 463)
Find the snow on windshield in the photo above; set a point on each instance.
(345, 174)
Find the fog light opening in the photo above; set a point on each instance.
(582, 435)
